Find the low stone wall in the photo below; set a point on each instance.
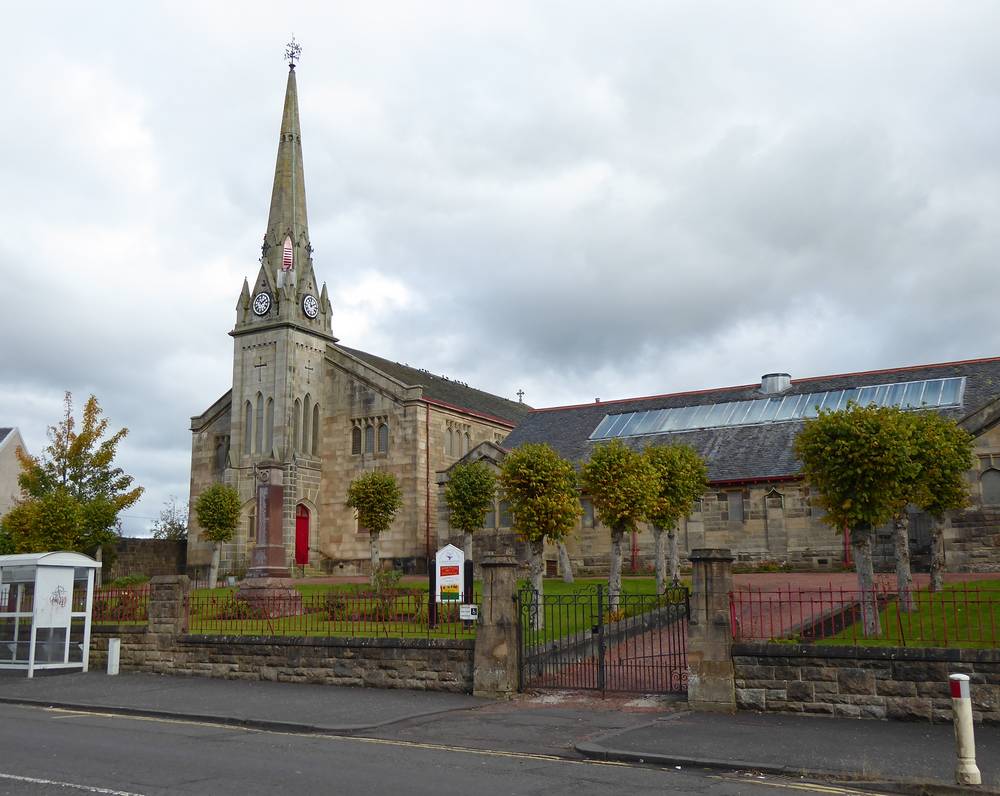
(864, 682)
(426, 664)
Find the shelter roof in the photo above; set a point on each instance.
(57, 558)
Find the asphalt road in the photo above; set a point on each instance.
(45, 751)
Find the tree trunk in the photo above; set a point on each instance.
(675, 559)
(615, 575)
(660, 557)
(937, 555)
(213, 569)
(99, 572)
(373, 547)
(564, 563)
(467, 545)
(861, 544)
(537, 585)
(904, 577)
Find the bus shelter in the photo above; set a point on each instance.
(45, 606)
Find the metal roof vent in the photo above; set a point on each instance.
(774, 383)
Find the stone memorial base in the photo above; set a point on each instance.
(270, 598)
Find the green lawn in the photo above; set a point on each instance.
(961, 615)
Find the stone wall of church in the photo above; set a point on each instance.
(972, 537)
(208, 466)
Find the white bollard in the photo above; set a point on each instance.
(966, 771)
(114, 654)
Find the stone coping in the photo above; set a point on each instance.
(106, 630)
(334, 641)
(944, 654)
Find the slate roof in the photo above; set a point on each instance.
(4, 432)
(742, 453)
(438, 388)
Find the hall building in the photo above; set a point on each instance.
(326, 412)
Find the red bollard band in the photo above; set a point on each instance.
(959, 684)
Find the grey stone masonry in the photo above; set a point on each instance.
(710, 638)
(496, 638)
(864, 682)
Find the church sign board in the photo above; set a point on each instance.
(449, 565)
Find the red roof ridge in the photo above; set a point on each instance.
(904, 369)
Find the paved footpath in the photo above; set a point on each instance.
(571, 725)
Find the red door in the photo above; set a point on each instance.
(301, 536)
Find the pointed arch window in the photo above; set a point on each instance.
(774, 500)
(269, 422)
(248, 429)
(449, 443)
(383, 438)
(466, 440)
(369, 439)
(356, 440)
(306, 417)
(990, 483)
(259, 423)
(314, 445)
(296, 421)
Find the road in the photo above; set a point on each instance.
(47, 751)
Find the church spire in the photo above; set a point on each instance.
(286, 242)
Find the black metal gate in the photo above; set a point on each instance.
(576, 641)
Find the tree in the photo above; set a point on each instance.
(173, 521)
(469, 494)
(376, 497)
(682, 477)
(218, 511)
(623, 486)
(73, 492)
(541, 490)
(944, 451)
(860, 461)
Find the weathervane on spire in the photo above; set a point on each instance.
(293, 51)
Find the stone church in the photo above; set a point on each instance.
(327, 413)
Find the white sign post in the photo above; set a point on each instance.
(449, 565)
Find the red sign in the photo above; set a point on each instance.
(448, 570)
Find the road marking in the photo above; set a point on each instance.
(811, 787)
(74, 785)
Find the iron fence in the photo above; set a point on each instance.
(393, 614)
(960, 615)
(577, 641)
(128, 604)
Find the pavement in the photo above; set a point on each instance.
(895, 757)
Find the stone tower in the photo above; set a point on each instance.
(283, 326)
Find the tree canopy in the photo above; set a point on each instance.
(681, 479)
(943, 450)
(541, 489)
(73, 490)
(376, 497)
(218, 512)
(173, 521)
(622, 484)
(469, 494)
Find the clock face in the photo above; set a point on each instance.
(310, 306)
(261, 303)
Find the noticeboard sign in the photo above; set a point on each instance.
(468, 613)
(53, 597)
(449, 564)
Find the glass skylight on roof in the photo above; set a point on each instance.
(927, 394)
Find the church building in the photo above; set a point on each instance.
(326, 412)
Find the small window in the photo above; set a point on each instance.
(695, 509)
(383, 438)
(735, 506)
(449, 443)
(990, 482)
(774, 500)
(465, 443)
(490, 520)
(506, 521)
(356, 440)
(248, 429)
(221, 452)
(588, 513)
(369, 439)
(252, 525)
(314, 449)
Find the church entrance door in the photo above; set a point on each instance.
(301, 535)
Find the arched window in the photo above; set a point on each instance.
(369, 439)
(269, 423)
(259, 424)
(448, 443)
(990, 483)
(296, 420)
(356, 440)
(774, 500)
(315, 431)
(306, 416)
(506, 520)
(465, 443)
(383, 438)
(248, 429)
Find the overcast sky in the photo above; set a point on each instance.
(576, 199)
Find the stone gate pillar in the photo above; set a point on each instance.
(495, 668)
(711, 681)
(168, 619)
